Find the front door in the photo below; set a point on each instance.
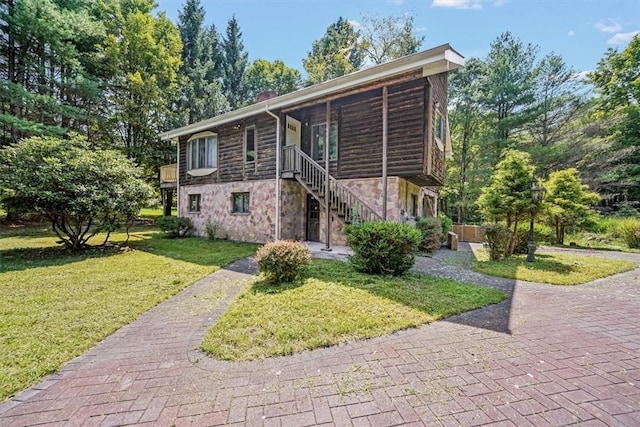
(293, 135)
(313, 219)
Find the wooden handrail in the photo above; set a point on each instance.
(313, 175)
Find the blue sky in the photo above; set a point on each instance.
(579, 30)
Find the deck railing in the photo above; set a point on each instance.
(169, 173)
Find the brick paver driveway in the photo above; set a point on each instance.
(547, 356)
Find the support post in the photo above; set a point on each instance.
(385, 114)
(531, 246)
(327, 186)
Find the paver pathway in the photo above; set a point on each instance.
(547, 356)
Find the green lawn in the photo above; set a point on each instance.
(56, 305)
(335, 304)
(555, 268)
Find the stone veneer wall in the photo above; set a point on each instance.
(259, 224)
(216, 204)
(293, 211)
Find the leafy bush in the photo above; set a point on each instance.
(629, 230)
(211, 228)
(541, 234)
(383, 247)
(431, 232)
(175, 226)
(283, 260)
(447, 225)
(80, 189)
(497, 237)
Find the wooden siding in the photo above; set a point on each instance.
(406, 128)
(231, 165)
(359, 118)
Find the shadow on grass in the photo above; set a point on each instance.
(45, 252)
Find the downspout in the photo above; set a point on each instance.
(278, 150)
(385, 114)
(178, 175)
(327, 183)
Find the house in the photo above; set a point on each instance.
(369, 145)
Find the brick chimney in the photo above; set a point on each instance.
(267, 94)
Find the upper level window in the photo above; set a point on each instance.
(203, 152)
(250, 144)
(439, 127)
(318, 137)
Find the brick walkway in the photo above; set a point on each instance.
(547, 356)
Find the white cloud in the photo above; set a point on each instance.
(571, 33)
(458, 4)
(498, 3)
(355, 24)
(608, 25)
(622, 38)
(396, 2)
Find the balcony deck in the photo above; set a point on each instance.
(169, 176)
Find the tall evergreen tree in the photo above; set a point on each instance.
(557, 99)
(335, 54)
(200, 92)
(234, 66)
(508, 89)
(49, 77)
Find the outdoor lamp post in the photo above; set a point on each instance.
(537, 194)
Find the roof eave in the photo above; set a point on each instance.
(433, 61)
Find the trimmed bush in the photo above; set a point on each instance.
(431, 231)
(175, 226)
(283, 260)
(496, 238)
(629, 230)
(383, 247)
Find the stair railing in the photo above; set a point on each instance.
(312, 175)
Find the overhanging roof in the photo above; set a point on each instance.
(432, 61)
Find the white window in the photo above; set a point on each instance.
(202, 152)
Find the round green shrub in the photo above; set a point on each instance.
(383, 247)
(283, 260)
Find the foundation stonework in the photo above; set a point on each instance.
(216, 205)
(293, 210)
(259, 224)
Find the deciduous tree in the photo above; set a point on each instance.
(336, 53)
(81, 189)
(389, 37)
(264, 75)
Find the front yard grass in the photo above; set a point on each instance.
(554, 268)
(56, 305)
(332, 305)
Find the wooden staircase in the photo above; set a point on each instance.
(345, 205)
